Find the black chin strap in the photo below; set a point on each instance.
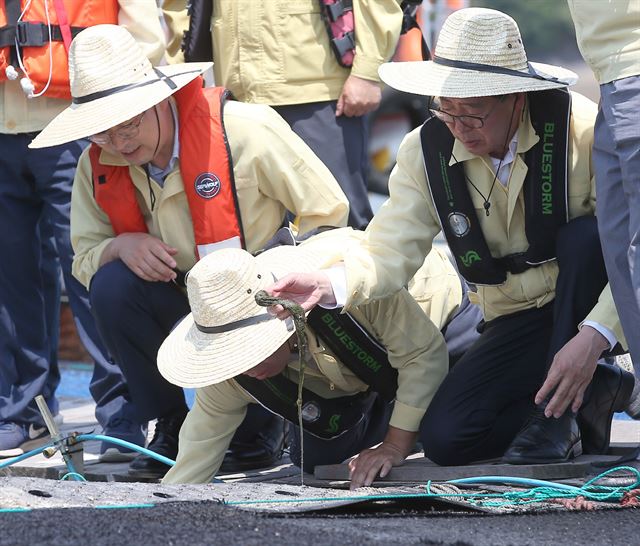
(479, 67)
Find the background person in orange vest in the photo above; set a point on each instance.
(280, 54)
(171, 178)
(35, 196)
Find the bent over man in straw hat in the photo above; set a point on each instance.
(503, 169)
(175, 172)
(367, 377)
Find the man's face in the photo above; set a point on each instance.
(499, 119)
(273, 364)
(137, 139)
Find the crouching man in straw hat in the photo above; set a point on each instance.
(170, 178)
(368, 376)
(503, 168)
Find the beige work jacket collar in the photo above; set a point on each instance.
(527, 138)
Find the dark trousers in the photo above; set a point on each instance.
(35, 201)
(134, 317)
(486, 398)
(342, 145)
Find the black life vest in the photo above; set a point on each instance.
(545, 193)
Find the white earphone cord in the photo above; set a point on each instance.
(27, 85)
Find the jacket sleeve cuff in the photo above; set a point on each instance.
(406, 417)
(366, 67)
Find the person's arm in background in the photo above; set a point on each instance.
(283, 167)
(142, 19)
(177, 20)
(377, 30)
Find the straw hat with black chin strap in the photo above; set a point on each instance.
(479, 53)
(227, 332)
(112, 81)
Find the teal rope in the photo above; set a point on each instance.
(24, 456)
(129, 445)
(548, 490)
(552, 490)
(75, 476)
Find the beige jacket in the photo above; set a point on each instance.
(274, 172)
(415, 347)
(18, 114)
(401, 233)
(608, 35)
(278, 52)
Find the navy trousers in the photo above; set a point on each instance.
(342, 145)
(488, 395)
(35, 200)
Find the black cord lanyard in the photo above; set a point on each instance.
(487, 204)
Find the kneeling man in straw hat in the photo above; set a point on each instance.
(368, 376)
(175, 172)
(503, 168)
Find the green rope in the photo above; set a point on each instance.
(589, 491)
(299, 320)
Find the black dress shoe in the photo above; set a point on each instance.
(611, 389)
(263, 451)
(545, 440)
(164, 442)
(240, 458)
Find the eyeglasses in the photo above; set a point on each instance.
(472, 122)
(125, 132)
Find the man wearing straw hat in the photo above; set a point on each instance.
(174, 173)
(367, 377)
(503, 168)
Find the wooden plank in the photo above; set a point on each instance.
(422, 470)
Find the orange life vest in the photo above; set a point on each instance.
(64, 19)
(207, 174)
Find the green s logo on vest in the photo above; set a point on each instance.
(334, 423)
(470, 257)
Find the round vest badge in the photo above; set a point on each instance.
(459, 224)
(207, 185)
(310, 412)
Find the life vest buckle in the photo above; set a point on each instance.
(344, 44)
(30, 34)
(337, 9)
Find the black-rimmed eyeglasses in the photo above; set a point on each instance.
(472, 122)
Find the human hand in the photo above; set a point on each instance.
(358, 97)
(571, 372)
(306, 289)
(371, 463)
(147, 256)
(378, 461)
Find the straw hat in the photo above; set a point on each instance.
(227, 332)
(479, 53)
(112, 81)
